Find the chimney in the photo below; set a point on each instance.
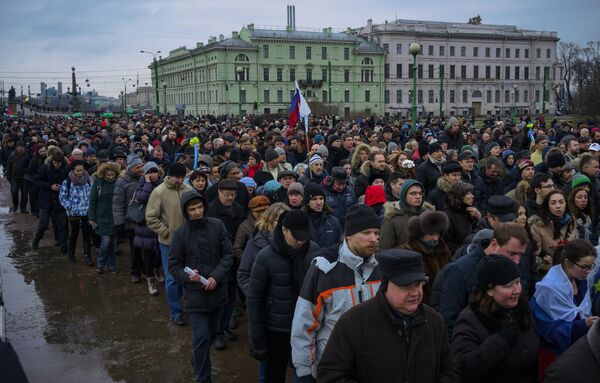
(291, 18)
(199, 45)
(234, 35)
(251, 27)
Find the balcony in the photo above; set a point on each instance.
(310, 83)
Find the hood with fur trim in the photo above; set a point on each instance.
(392, 209)
(355, 158)
(443, 185)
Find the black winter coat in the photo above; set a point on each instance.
(325, 229)
(258, 241)
(203, 245)
(483, 356)
(461, 224)
(242, 197)
(16, 166)
(231, 216)
(47, 176)
(427, 174)
(275, 283)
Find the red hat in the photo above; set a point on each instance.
(104, 123)
(374, 195)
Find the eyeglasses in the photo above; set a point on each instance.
(583, 267)
(548, 187)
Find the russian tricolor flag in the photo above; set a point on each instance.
(298, 109)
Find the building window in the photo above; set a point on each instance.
(346, 75)
(346, 53)
(507, 73)
(430, 96)
(463, 71)
(517, 73)
(420, 96)
(267, 110)
(526, 53)
(366, 75)
(386, 96)
(410, 70)
(292, 52)
(537, 72)
(242, 96)
(346, 95)
(308, 53)
(308, 74)
(367, 61)
(367, 96)
(386, 47)
(324, 53)
(487, 52)
(517, 53)
(546, 72)
(420, 70)
(548, 54)
(476, 72)
(442, 50)
(488, 72)
(292, 74)
(475, 51)
(266, 96)
(506, 96)
(537, 96)
(452, 71)
(497, 97)
(279, 96)
(265, 51)
(516, 95)
(465, 96)
(279, 74)
(497, 52)
(399, 96)
(452, 53)
(498, 72)
(398, 70)
(538, 54)
(431, 73)
(324, 74)
(507, 54)
(526, 73)
(452, 95)
(463, 51)
(399, 49)
(430, 50)
(386, 70)
(266, 73)
(488, 96)
(324, 96)
(525, 96)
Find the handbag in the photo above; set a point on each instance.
(136, 212)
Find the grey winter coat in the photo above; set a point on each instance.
(124, 190)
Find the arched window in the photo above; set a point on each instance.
(367, 61)
(241, 57)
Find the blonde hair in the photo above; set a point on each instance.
(268, 218)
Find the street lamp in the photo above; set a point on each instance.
(164, 84)
(514, 108)
(239, 70)
(155, 62)
(125, 81)
(414, 50)
(122, 102)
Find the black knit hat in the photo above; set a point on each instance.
(555, 160)
(270, 155)
(359, 218)
(312, 190)
(177, 170)
(297, 222)
(495, 270)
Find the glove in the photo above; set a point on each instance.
(305, 379)
(260, 354)
(510, 333)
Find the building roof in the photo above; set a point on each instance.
(366, 46)
(273, 34)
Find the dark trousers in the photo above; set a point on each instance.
(151, 261)
(16, 187)
(77, 223)
(59, 223)
(279, 353)
(204, 329)
(136, 255)
(227, 311)
(33, 193)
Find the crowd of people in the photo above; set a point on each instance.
(366, 250)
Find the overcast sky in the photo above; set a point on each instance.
(41, 39)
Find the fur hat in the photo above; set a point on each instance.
(430, 222)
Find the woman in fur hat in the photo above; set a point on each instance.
(425, 237)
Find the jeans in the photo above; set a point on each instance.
(59, 224)
(204, 327)
(77, 223)
(172, 286)
(16, 187)
(107, 252)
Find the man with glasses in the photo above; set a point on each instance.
(542, 184)
(232, 214)
(459, 277)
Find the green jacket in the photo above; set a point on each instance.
(100, 210)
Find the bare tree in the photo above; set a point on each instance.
(568, 54)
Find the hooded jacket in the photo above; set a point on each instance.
(367, 175)
(437, 197)
(204, 245)
(124, 192)
(163, 211)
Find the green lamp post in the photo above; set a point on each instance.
(414, 49)
(239, 70)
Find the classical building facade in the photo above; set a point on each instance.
(487, 69)
(255, 70)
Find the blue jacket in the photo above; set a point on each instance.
(75, 198)
(325, 229)
(340, 202)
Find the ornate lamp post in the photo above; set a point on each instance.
(414, 49)
(239, 70)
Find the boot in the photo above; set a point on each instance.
(88, 260)
(159, 278)
(152, 287)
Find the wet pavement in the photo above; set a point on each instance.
(68, 324)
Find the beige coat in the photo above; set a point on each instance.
(163, 212)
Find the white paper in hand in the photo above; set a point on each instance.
(191, 273)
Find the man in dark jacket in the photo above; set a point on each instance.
(469, 175)
(430, 169)
(393, 337)
(451, 173)
(339, 195)
(203, 245)
(232, 214)
(491, 174)
(48, 179)
(230, 170)
(452, 136)
(275, 282)
(16, 168)
(325, 229)
(370, 171)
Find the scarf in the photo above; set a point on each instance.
(558, 223)
(81, 180)
(439, 163)
(294, 257)
(554, 294)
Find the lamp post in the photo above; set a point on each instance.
(155, 62)
(164, 84)
(122, 102)
(414, 50)
(514, 106)
(125, 81)
(544, 92)
(239, 70)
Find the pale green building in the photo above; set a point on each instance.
(338, 72)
